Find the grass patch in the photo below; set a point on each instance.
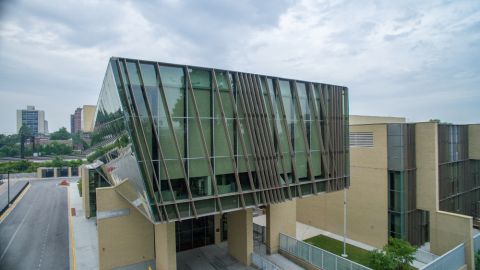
(354, 253)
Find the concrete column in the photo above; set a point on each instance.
(165, 246)
(281, 218)
(474, 141)
(55, 172)
(217, 223)
(85, 192)
(240, 235)
(39, 172)
(69, 171)
(426, 152)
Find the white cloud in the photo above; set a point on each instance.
(406, 58)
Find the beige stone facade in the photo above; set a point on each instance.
(367, 196)
(125, 236)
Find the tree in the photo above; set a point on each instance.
(397, 254)
(24, 133)
(381, 260)
(61, 134)
(403, 252)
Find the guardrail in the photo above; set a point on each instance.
(476, 243)
(453, 259)
(317, 256)
(15, 196)
(263, 263)
(424, 256)
(259, 232)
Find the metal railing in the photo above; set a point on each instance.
(263, 263)
(259, 233)
(476, 243)
(317, 256)
(424, 256)
(452, 260)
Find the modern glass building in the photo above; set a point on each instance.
(192, 141)
(405, 220)
(459, 174)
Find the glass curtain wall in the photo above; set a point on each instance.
(210, 141)
(459, 183)
(405, 220)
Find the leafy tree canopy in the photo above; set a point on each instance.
(61, 134)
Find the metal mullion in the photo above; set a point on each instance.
(253, 140)
(270, 147)
(304, 131)
(347, 134)
(135, 111)
(339, 131)
(325, 92)
(241, 100)
(325, 139)
(275, 132)
(319, 128)
(175, 139)
(260, 135)
(150, 115)
(202, 136)
(242, 142)
(258, 96)
(227, 134)
(289, 139)
(335, 131)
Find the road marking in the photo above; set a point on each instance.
(16, 231)
(72, 240)
(10, 209)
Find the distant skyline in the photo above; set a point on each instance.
(414, 59)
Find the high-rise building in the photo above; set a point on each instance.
(33, 119)
(76, 121)
(193, 150)
(82, 119)
(88, 115)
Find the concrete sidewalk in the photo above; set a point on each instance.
(84, 233)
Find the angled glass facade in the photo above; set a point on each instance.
(200, 141)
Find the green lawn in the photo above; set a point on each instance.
(334, 246)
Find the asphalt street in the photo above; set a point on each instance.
(35, 234)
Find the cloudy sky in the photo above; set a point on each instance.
(418, 59)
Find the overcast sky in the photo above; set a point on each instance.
(418, 59)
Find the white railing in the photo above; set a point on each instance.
(424, 256)
(452, 260)
(476, 243)
(263, 263)
(317, 256)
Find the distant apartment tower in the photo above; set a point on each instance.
(76, 121)
(33, 119)
(82, 119)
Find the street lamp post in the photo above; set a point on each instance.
(8, 187)
(344, 223)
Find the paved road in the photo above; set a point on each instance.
(35, 234)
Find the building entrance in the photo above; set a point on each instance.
(194, 233)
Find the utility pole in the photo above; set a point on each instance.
(344, 223)
(8, 187)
